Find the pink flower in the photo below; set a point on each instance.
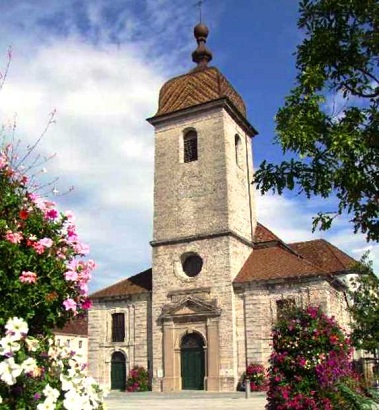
(71, 275)
(87, 304)
(51, 214)
(69, 215)
(46, 242)
(28, 277)
(13, 237)
(38, 247)
(70, 304)
(81, 248)
(3, 160)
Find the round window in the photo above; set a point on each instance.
(192, 264)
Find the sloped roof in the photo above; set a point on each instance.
(197, 87)
(322, 253)
(77, 326)
(140, 283)
(276, 263)
(278, 260)
(263, 234)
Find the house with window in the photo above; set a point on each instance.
(219, 278)
(74, 335)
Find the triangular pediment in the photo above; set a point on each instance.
(190, 306)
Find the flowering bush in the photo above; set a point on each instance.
(256, 373)
(44, 283)
(38, 248)
(138, 380)
(36, 374)
(309, 363)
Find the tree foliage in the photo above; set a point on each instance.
(329, 123)
(365, 307)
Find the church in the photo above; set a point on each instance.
(219, 278)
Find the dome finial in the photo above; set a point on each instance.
(202, 54)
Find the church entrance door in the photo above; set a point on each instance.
(118, 371)
(192, 362)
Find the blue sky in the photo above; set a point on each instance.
(101, 64)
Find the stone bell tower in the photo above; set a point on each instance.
(204, 222)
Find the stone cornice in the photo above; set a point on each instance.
(200, 237)
(223, 102)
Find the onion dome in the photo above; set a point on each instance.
(201, 85)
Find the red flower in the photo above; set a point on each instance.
(24, 214)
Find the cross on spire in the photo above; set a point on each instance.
(200, 4)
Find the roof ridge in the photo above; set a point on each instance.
(306, 260)
(333, 250)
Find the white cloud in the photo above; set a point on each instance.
(103, 74)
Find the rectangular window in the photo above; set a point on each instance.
(190, 147)
(283, 307)
(118, 327)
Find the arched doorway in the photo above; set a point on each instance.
(118, 371)
(192, 362)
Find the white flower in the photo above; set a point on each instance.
(8, 346)
(51, 393)
(29, 365)
(32, 344)
(66, 382)
(46, 405)
(16, 328)
(72, 400)
(1, 399)
(9, 371)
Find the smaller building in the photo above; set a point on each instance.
(74, 335)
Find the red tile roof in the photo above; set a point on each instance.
(324, 254)
(140, 283)
(77, 326)
(278, 260)
(276, 263)
(263, 234)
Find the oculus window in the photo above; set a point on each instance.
(192, 263)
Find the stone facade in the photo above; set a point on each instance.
(135, 347)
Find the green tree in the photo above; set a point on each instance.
(365, 307)
(329, 122)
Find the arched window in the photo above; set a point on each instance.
(118, 327)
(238, 150)
(190, 146)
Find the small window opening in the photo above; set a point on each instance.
(284, 308)
(190, 146)
(238, 150)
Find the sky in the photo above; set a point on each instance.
(100, 65)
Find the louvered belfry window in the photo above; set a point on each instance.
(190, 146)
(118, 327)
